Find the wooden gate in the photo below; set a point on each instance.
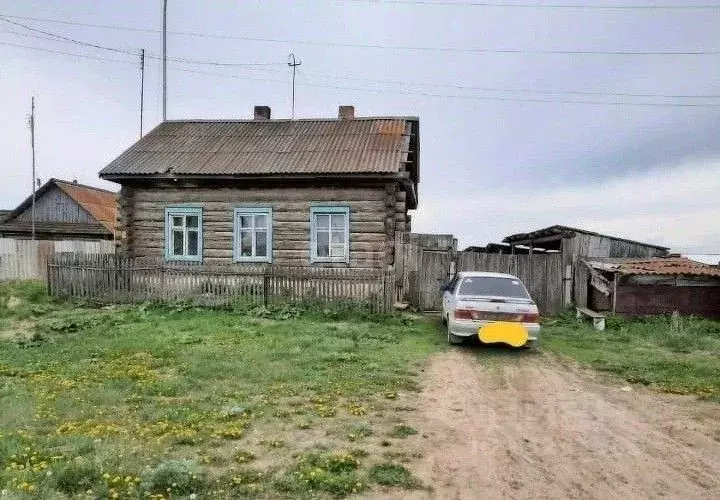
(434, 272)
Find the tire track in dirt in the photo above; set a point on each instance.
(509, 424)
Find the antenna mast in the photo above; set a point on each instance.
(293, 63)
(164, 60)
(142, 87)
(31, 123)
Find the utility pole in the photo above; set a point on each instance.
(142, 87)
(31, 122)
(164, 59)
(293, 64)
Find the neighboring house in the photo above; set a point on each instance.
(654, 286)
(64, 211)
(321, 192)
(3, 214)
(573, 244)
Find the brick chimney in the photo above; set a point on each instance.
(262, 113)
(346, 112)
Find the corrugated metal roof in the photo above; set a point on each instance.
(100, 203)
(268, 147)
(568, 231)
(667, 266)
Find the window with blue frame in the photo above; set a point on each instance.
(252, 240)
(330, 234)
(183, 233)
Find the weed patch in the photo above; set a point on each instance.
(392, 474)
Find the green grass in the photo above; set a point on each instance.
(680, 357)
(392, 474)
(165, 401)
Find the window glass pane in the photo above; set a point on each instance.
(245, 221)
(193, 243)
(322, 221)
(246, 244)
(191, 221)
(338, 237)
(177, 220)
(337, 251)
(177, 244)
(261, 244)
(261, 221)
(323, 242)
(338, 221)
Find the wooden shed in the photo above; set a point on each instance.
(64, 210)
(307, 192)
(574, 244)
(654, 286)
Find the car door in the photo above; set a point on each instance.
(448, 296)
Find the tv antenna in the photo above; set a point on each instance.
(293, 63)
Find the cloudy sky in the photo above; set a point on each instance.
(530, 116)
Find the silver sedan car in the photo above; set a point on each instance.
(496, 307)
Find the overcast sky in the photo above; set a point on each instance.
(510, 154)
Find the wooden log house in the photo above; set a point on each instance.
(307, 192)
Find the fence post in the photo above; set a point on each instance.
(266, 287)
(49, 278)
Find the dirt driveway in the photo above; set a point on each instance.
(508, 424)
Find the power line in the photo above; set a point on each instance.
(519, 90)
(60, 52)
(523, 5)
(464, 97)
(61, 38)
(470, 50)
(426, 94)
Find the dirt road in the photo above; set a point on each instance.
(501, 424)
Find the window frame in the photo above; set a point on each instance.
(329, 210)
(252, 211)
(175, 211)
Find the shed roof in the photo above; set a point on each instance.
(666, 266)
(272, 147)
(567, 232)
(100, 203)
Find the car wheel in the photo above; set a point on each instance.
(453, 339)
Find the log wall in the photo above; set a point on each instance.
(377, 212)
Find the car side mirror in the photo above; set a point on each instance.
(444, 288)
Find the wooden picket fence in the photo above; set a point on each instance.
(117, 279)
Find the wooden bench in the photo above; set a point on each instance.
(598, 319)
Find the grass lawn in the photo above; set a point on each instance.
(180, 402)
(682, 358)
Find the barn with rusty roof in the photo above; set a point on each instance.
(64, 210)
(307, 192)
(654, 286)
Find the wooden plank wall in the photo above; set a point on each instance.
(541, 273)
(22, 259)
(57, 206)
(376, 214)
(116, 279)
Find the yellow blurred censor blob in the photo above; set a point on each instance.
(514, 334)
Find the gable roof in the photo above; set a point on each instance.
(100, 203)
(272, 147)
(568, 232)
(665, 266)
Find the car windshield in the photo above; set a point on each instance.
(491, 286)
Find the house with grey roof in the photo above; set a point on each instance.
(307, 192)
